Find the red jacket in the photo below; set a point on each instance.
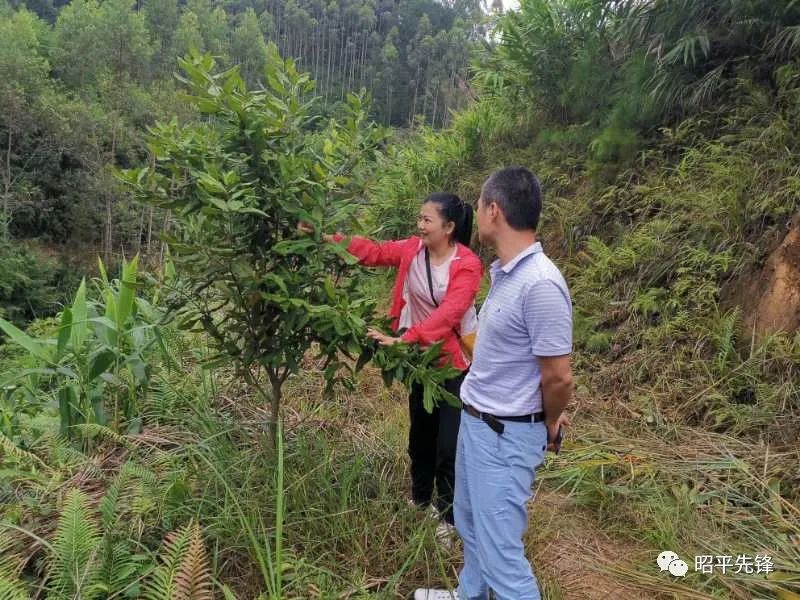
(466, 271)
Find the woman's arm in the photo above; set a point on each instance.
(368, 252)
(374, 254)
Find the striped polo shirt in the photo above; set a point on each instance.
(527, 314)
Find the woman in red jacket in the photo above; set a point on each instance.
(438, 277)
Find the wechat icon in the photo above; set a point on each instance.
(669, 561)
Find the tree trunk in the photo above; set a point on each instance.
(362, 78)
(328, 74)
(414, 103)
(275, 406)
(141, 233)
(107, 232)
(107, 242)
(388, 101)
(7, 189)
(342, 72)
(435, 102)
(315, 54)
(150, 234)
(164, 230)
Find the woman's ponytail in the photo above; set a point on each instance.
(463, 231)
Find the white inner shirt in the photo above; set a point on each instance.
(417, 294)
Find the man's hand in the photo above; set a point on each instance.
(554, 445)
(382, 338)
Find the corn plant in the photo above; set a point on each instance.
(96, 362)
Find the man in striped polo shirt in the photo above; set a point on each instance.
(514, 396)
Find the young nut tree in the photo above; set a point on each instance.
(237, 182)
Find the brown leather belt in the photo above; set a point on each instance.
(494, 421)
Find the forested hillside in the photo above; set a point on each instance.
(208, 420)
(81, 81)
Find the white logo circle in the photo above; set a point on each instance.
(666, 557)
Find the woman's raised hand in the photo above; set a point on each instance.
(308, 229)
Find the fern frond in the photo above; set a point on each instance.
(62, 454)
(9, 447)
(137, 471)
(74, 565)
(11, 589)
(185, 573)
(121, 569)
(725, 338)
(93, 430)
(193, 580)
(786, 43)
(707, 86)
(12, 558)
(161, 585)
(109, 505)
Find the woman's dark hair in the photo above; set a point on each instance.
(452, 208)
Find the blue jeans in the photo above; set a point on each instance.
(494, 475)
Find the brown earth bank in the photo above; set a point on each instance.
(770, 298)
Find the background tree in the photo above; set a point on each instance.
(23, 82)
(83, 80)
(248, 48)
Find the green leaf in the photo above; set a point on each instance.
(220, 204)
(127, 292)
(99, 362)
(36, 348)
(165, 354)
(79, 315)
(103, 275)
(249, 210)
(106, 330)
(99, 411)
(67, 408)
(17, 375)
(67, 372)
(111, 306)
(221, 361)
(427, 398)
(293, 246)
(329, 289)
(139, 369)
(341, 251)
(366, 356)
(64, 332)
(111, 378)
(135, 425)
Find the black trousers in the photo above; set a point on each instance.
(432, 443)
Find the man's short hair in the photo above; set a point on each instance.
(516, 191)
